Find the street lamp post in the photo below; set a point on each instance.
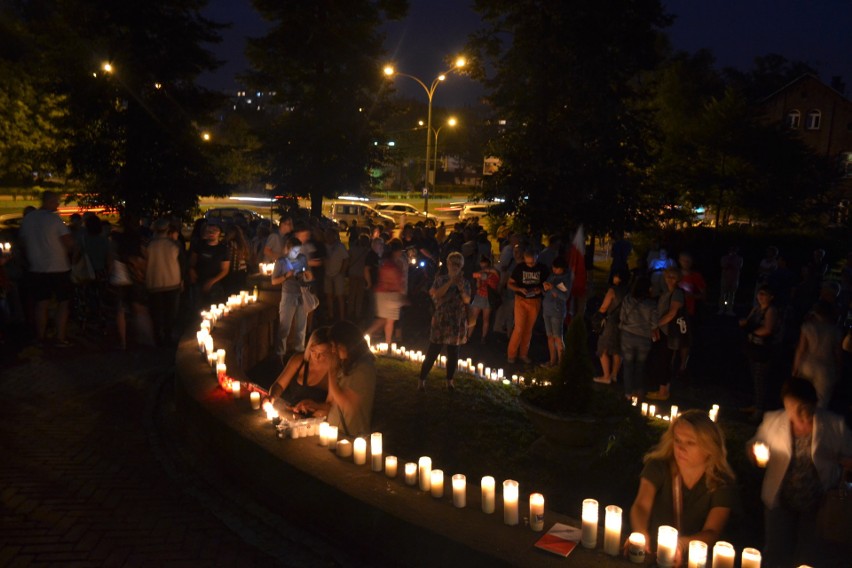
(430, 92)
(451, 123)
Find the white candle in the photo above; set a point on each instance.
(211, 358)
(488, 499)
(344, 448)
(479, 368)
(236, 389)
(331, 434)
(411, 473)
(220, 354)
(390, 466)
(674, 411)
(644, 409)
(360, 451)
(499, 373)
(612, 530)
(590, 523)
(666, 546)
(634, 400)
(510, 502)
(761, 454)
(424, 465)
(697, 554)
(323, 434)
(255, 400)
(488, 372)
(636, 548)
(652, 410)
(437, 483)
(367, 339)
(221, 370)
(750, 558)
(376, 451)
(723, 555)
(459, 491)
(537, 512)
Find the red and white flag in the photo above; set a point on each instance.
(577, 263)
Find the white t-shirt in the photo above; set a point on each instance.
(334, 263)
(41, 233)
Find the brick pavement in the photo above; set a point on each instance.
(91, 476)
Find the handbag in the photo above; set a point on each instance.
(82, 271)
(309, 299)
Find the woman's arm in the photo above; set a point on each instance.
(344, 398)
(768, 323)
(287, 374)
(608, 298)
(640, 512)
(715, 523)
(801, 347)
(670, 315)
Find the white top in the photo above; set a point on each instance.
(163, 271)
(337, 254)
(41, 233)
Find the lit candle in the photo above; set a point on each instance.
(761, 454)
(674, 411)
(499, 373)
(323, 434)
(220, 354)
(236, 389)
(636, 548)
(390, 466)
(652, 410)
(612, 530)
(208, 346)
(331, 434)
(723, 555)
(479, 368)
(634, 400)
(510, 502)
(750, 558)
(487, 494)
(360, 451)
(590, 523)
(697, 554)
(424, 464)
(255, 400)
(344, 448)
(487, 372)
(376, 451)
(221, 370)
(367, 339)
(211, 358)
(437, 483)
(537, 512)
(666, 546)
(411, 473)
(459, 491)
(644, 409)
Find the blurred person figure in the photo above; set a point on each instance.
(621, 249)
(609, 342)
(768, 264)
(762, 326)
(731, 264)
(526, 281)
(163, 281)
(637, 324)
(127, 281)
(305, 376)
(818, 354)
(809, 449)
(658, 263)
(554, 308)
(356, 267)
(487, 281)
(335, 270)
(95, 245)
(694, 290)
(292, 273)
(209, 264)
(669, 304)
(274, 246)
(239, 258)
(389, 291)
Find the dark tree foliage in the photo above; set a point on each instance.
(567, 82)
(323, 60)
(135, 131)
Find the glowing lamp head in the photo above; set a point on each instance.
(461, 62)
(389, 70)
(107, 67)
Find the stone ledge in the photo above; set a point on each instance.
(371, 517)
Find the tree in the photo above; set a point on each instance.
(567, 83)
(323, 61)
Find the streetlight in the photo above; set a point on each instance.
(107, 67)
(451, 123)
(430, 92)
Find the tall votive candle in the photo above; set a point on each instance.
(761, 454)
(697, 554)
(410, 473)
(488, 497)
(590, 523)
(666, 546)
(424, 465)
(723, 555)
(360, 449)
(612, 530)
(390, 466)
(459, 491)
(437, 483)
(254, 397)
(376, 451)
(510, 502)
(537, 512)
(750, 558)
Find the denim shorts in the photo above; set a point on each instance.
(554, 326)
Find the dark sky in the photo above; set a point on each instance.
(814, 31)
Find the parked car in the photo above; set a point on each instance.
(225, 215)
(471, 210)
(344, 212)
(404, 213)
(10, 224)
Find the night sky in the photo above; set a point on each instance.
(736, 31)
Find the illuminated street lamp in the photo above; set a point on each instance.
(452, 124)
(430, 92)
(205, 136)
(107, 67)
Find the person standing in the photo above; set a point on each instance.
(669, 305)
(609, 342)
(47, 244)
(763, 326)
(818, 355)
(335, 269)
(272, 249)
(526, 281)
(208, 266)
(356, 267)
(732, 264)
(557, 289)
(451, 294)
(292, 273)
(637, 323)
(163, 281)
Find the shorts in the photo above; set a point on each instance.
(46, 285)
(388, 305)
(333, 284)
(554, 326)
(480, 302)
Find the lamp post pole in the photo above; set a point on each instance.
(430, 93)
(451, 123)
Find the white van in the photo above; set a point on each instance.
(344, 212)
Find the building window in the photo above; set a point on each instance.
(792, 120)
(814, 117)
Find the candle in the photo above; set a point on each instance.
(636, 548)
(612, 530)
(761, 454)
(590, 523)
(376, 451)
(634, 400)
(487, 485)
(437, 483)
(459, 491)
(331, 434)
(411, 473)
(697, 554)
(344, 448)
(236, 389)
(723, 555)
(537, 512)
(424, 464)
(221, 370)
(211, 358)
(652, 410)
(390, 466)
(360, 451)
(323, 434)
(666, 546)
(488, 372)
(750, 558)
(220, 354)
(674, 411)
(255, 400)
(479, 368)
(510, 502)
(499, 373)
(644, 409)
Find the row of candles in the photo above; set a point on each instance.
(724, 553)
(5, 248)
(650, 411)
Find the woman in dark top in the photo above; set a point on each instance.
(305, 376)
(609, 343)
(763, 326)
(687, 483)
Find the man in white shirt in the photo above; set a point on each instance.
(47, 244)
